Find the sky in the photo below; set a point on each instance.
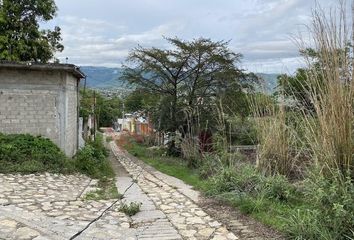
(102, 32)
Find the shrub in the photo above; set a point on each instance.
(209, 166)
(92, 160)
(243, 131)
(278, 187)
(333, 198)
(29, 154)
(245, 179)
(306, 225)
(130, 209)
(190, 150)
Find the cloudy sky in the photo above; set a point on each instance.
(101, 32)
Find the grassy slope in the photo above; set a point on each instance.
(270, 213)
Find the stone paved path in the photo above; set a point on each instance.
(190, 221)
(52, 206)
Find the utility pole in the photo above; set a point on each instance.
(94, 115)
(123, 118)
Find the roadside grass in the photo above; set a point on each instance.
(294, 209)
(172, 166)
(93, 161)
(107, 190)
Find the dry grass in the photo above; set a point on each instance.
(331, 87)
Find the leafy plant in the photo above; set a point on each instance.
(130, 209)
(28, 154)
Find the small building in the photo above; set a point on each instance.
(41, 99)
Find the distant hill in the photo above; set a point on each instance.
(270, 81)
(108, 79)
(103, 77)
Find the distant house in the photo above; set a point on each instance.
(41, 99)
(134, 123)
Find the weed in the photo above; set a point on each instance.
(130, 209)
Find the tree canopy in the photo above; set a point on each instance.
(20, 36)
(189, 77)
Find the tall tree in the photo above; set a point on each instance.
(189, 76)
(20, 36)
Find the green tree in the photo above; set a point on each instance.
(141, 100)
(106, 110)
(20, 36)
(109, 109)
(189, 77)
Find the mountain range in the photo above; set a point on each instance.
(109, 78)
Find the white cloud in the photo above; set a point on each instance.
(87, 43)
(104, 33)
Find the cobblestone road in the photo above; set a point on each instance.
(52, 206)
(190, 221)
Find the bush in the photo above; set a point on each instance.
(209, 166)
(243, 132)
(333, 199)
(278, 187)
(244, 179)
(29, 154)
(92, 160)
(306, 225)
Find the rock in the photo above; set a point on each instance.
(7, 223)
(206, 232)
(25, 233)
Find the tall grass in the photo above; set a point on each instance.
(277, 139)
(331, 87)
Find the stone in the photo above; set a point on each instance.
(7, 223)
(206, 232)
(26, 233)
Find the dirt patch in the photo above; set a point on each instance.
(242, 226)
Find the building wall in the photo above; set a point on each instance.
(71, 129)
(40, 103)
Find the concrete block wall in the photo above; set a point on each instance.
(40, 103)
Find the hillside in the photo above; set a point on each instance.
(270, 81)
(108, 79)
(103, 77)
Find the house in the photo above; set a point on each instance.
(41, 99)
(136, 122)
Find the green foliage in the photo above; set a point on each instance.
(20, 36)
(130, 209)
(242, 131)
(244, 179)
(306, 225)
(106, 110)
(333, 199)
(141, 100)
(92, 160)
(169, 165)
(28, 154)
(191, 71)
(278, 188)
(209, 166)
